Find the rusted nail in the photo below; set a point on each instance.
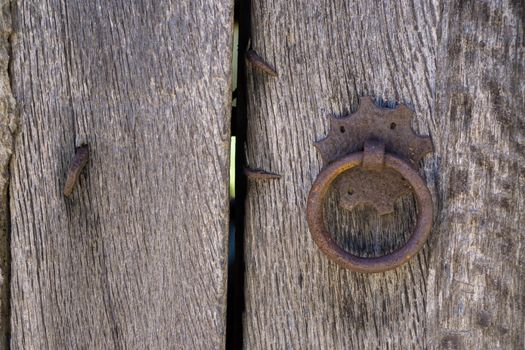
(259, 174)
(78, 163)
(255, 60)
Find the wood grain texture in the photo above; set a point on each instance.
(8, 125)
(476, 294)
(137, 257)
(459, 65)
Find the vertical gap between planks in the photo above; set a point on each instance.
(235, 302)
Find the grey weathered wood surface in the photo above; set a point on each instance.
(137, 257)
(7, 128)
(460, 65)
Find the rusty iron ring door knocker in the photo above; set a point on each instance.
(372, 158)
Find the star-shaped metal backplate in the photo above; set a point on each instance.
(348, 134)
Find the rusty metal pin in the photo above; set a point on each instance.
(259, 174)
(78, 163)
(256, 61)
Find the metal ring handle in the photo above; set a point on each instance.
(335, 253)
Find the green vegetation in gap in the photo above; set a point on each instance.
(232, 167)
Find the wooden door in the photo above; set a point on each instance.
(460, 66)
(137, 257)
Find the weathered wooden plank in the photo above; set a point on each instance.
(476, 284)
(136, 258)
(459, 68)
(7, 128)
